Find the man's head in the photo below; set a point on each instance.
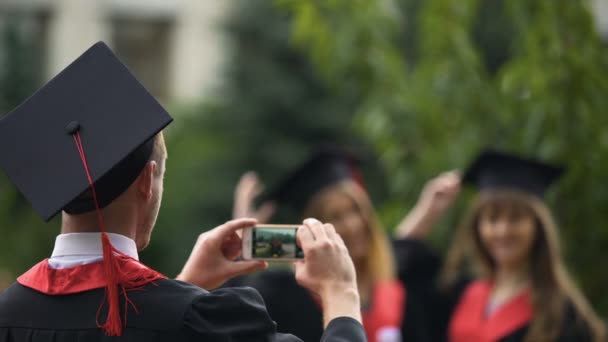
(92, 124)
(133, 213)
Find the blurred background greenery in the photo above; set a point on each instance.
(419, 86)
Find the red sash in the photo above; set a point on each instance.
(470, 322)
(82, 278)
(386, 313)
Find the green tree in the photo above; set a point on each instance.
(437, 80)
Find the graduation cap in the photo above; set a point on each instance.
(91, 127)
(497, 170)
(328, 165)
(97, 98)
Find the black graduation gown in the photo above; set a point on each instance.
(169, 310)
(430, 310)
(290, 305)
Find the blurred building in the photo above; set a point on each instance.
(175, 47)
(600, 9)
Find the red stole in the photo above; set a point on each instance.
(470, 323)
(82, 278)
(386, 312)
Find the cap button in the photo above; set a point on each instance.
(72, 127)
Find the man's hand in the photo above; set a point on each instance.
(327, 270)
(212, 260)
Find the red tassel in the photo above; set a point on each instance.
(113, 324)
(119, 281)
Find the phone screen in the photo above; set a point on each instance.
(275, 243)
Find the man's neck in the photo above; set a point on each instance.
(89, 223)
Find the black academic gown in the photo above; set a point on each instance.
(292, 306)
(168, 310)
(429, 311)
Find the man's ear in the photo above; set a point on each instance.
(145, 180)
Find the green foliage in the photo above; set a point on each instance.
(19, 60)
(437, 80)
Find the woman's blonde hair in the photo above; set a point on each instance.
(380, 261)
(552, 287)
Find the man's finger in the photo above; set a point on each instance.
(339, 240)
(316, 227)
(330, 230)
(305, 237)
(233, 226)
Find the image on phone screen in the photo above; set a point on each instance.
(275, 243)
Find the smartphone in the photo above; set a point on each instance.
(271, 242)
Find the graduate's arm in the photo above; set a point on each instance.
(328, 271)
(213, 259)
(344, 329)
(247, 190)
(416, 261)
(237, 313)
(428, 307)
(436, 197)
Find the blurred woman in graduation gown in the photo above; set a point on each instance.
(521, 291)
(333, 191)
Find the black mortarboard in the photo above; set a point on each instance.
(116, 119)
(328, 165)
(496, 170)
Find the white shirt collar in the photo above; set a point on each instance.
(86, 245)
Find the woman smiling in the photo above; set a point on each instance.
(522, 290)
